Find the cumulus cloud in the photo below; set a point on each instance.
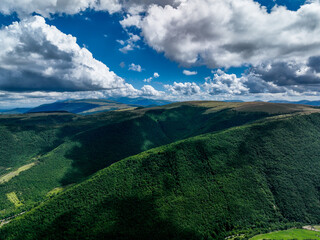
(149, 91)
(49, 7)
(274, 78)
(129, 44)
(135, 67)
(186, 88)
(45, 8)
(223, 83)
(189, 73)
(294, 75)
(131, 20)
(224, 33)
(36, 56)
(148, 80)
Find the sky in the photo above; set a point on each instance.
(177, 50)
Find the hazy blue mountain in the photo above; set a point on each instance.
(305, 102)
(14, 111)
(83, 106)
(141, 101)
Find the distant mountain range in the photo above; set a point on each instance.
(143, 102)
(14, 111)
(84, 106)
(304, 102)
(89, 106)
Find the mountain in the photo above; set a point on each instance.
(204, 170)
(91, 106)
(14, 111)
(305, 102)
(84, 106)
(143, 102)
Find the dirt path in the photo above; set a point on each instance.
(7, 220)
(311, 228)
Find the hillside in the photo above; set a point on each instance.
(64, 148)
(240, 180)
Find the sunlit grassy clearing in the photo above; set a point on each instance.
(289, 234)
(12, 197)
(9, 176)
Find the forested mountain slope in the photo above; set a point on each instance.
(258, 175)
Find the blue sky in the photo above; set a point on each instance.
(99, 32)
(202, 49)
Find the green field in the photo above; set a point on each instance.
(299, 234)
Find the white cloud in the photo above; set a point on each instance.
(155, 75)
(47, 7)
(134, 67)
(121, 42)
(186, 88)
(189, 73)
(149, 91)
(131, 20)
(36, 56)
(126, 48)
(148, 80)
(224, 33)
(223, 83)
(130, 44)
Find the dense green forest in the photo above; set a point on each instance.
(67, 148)
(203, 171)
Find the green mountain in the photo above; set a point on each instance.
(241, 167)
